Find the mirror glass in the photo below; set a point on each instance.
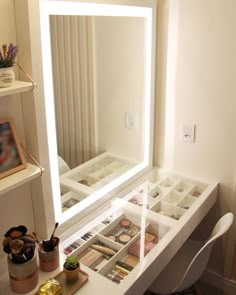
(97, 76)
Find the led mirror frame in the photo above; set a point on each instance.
(47, 8)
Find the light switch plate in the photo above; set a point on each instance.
(131, 120)
(189, 133)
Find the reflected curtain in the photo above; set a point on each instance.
(72, 58)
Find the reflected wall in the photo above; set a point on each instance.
(99, 80)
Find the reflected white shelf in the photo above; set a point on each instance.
(23, 176)
(18, 87)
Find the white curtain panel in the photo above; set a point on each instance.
(72, 58)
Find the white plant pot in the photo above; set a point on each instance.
(7, 77)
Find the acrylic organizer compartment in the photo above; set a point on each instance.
(198, 190)
(168, 210)
(78, 239)
(186, 202)
(91, 170)
(146, 194)
(96, 252)
(123, 229)
(106, 176)
(174, 204)
(96, 173)
(145, 187)
(117, 170)
(84, 179)
(139, 199)
(156, 193)
(163, 179)
(73, 242)
(119, 267)
(173, 197)
(99, 249)
(167, 184)
(70, 198)
(113, 164)
(184, 187)
(101, 173)
(107, 160)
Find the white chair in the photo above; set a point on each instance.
(188, 264)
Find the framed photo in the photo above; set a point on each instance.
(11, 156)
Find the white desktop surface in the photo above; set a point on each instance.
(140, 278)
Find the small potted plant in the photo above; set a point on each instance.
(71, 268)
(22, 260)
(7, 59)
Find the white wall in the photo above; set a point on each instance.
(200, 89)
(119, 83)
(15, 206)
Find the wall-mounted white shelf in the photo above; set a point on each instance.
(14, 180)
(18, 87)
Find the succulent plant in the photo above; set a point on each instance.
(71, 262)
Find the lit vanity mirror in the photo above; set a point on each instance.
(98, 79)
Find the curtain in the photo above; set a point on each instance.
(72, 58)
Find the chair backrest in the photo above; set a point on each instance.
(200, 260)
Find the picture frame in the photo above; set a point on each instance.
(11, 156)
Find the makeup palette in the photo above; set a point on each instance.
(123, 232)
(150, 240)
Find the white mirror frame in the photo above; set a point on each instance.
(142, 8)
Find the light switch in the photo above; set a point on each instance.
(189, 133)
(130, 120)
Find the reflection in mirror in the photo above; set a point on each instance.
(99, 87)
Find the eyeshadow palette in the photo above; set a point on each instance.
(149, 241)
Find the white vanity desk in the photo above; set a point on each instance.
(157, 191)
(172, 233)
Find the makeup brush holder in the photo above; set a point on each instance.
(49, 261)
(23, 277)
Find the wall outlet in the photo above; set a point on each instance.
(189, 133)
(130, 120)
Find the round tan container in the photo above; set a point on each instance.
(23, 277)
(48, 261)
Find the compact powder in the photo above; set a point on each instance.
(124, 238)
(131, 260)
(126, 223)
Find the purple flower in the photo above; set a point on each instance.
(12, 51)
(8, 55)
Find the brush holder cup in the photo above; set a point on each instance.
(49, 261)
(23, 277)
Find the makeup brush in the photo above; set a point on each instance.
(36, 238)
(50, 244)
(52, 236)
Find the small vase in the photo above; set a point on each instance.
(72, 275)
(23, 277)
(49, 261)
(7, 77)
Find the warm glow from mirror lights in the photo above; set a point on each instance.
(48, 8)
